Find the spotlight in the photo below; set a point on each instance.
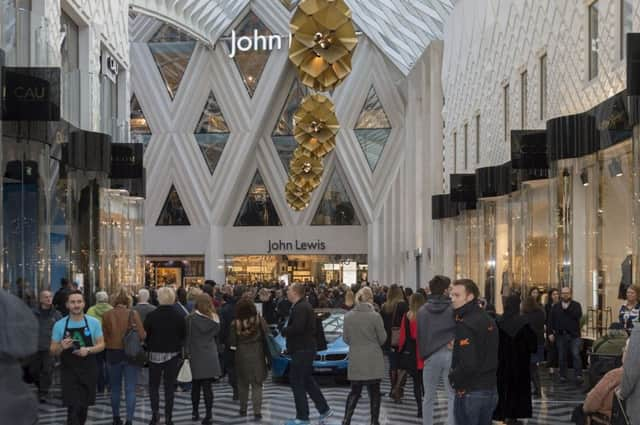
(584, 177)
(615, 168)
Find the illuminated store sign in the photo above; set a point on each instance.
(280, 245)
(256, 43)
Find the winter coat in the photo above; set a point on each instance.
(99, 310)
(536, 320)
(630, 387)
(365, 334)
(201, 346)
(392, 319)
(474, 360)
(18, 339)
(301, 330)
(436, 325)
(514, 377)
(250, 358)
(46, 320)
(411, 333)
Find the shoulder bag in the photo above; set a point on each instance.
(395, 330)
(408, 358)
(133, 348)
(618, 412)
(184, 375)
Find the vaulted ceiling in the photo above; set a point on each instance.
(402, 29)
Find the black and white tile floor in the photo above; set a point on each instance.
(553, 409)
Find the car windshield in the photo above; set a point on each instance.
(333, 327)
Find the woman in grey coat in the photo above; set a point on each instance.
(203, 325)
(630, 386)
(247, 340)
(365, 334)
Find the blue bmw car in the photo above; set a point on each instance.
(332, 361)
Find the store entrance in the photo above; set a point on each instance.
(325, 269)
(174, 271)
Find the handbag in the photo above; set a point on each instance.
(133, 348)
(395, 330)
(619, 412)
(407, 359)
(184, 375)
(269, 344)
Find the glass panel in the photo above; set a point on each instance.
(461, 247)
(70, 49)
(615, 245)
(523, 99)
(543, 87)
(173, 213)
(373, 128)
(537, 235)
(513, 277)
(626, 26)
(593, 40)
(283, 133)
(171, 49)
(212, 132)
(138, 125)
(335, 207)
(257, 208)
(290, 4)
(489, 217)
(251, 63)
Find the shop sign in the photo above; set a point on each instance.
(126, 160)
(110, 67)
(280, 245)
(30, 94)
(256, 43)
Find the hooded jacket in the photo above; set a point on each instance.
(99, 310)
(436, 325)
(201, 346)
(474, 364)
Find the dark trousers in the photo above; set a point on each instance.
(373, 387)
(204, 385)
(303, 383)
(169, 371)
(568, 345)
(476, 407)
(230, 368)
(77, 415)
(41, 370)
(103, 372)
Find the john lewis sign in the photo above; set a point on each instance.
(289, 246)
(256, 43)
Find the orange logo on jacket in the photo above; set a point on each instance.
(464, 342)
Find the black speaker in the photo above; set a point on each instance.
(633, 64)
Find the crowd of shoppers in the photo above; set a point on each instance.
(443, 334)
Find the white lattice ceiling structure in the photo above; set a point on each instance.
(402, 29)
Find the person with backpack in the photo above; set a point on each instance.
(116, 325)
(301, 346)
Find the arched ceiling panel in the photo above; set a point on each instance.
(402, 29)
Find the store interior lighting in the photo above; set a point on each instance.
(615, 168)
(584, 177)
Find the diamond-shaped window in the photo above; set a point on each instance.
(290, 4)
(212, 132)
(257, 208)
(251, 63)
(373, 128)
(283, 133)
(336, 208)
(172, 50)
(138, 125)
(173, 213)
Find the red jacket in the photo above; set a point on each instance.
(413, 328)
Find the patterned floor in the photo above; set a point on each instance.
(555, 407)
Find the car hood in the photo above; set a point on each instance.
(338, 346)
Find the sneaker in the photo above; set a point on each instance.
(326, 414)
(297, 422)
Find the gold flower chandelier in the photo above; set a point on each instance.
(323, 41)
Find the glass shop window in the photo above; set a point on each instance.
(171, 50)
(336, 207)
(257, 208)
(594, 40)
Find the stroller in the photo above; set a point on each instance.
(606, 353)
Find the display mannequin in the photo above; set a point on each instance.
(626, 279)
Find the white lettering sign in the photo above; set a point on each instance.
(256, 43)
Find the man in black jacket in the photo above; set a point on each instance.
(565, 325)
(474, 362)
(41, 363)
(300, 333)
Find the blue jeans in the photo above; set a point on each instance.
(303, 383)
(436, 368)
(476, 407)
(130, 372)
(569, 345)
